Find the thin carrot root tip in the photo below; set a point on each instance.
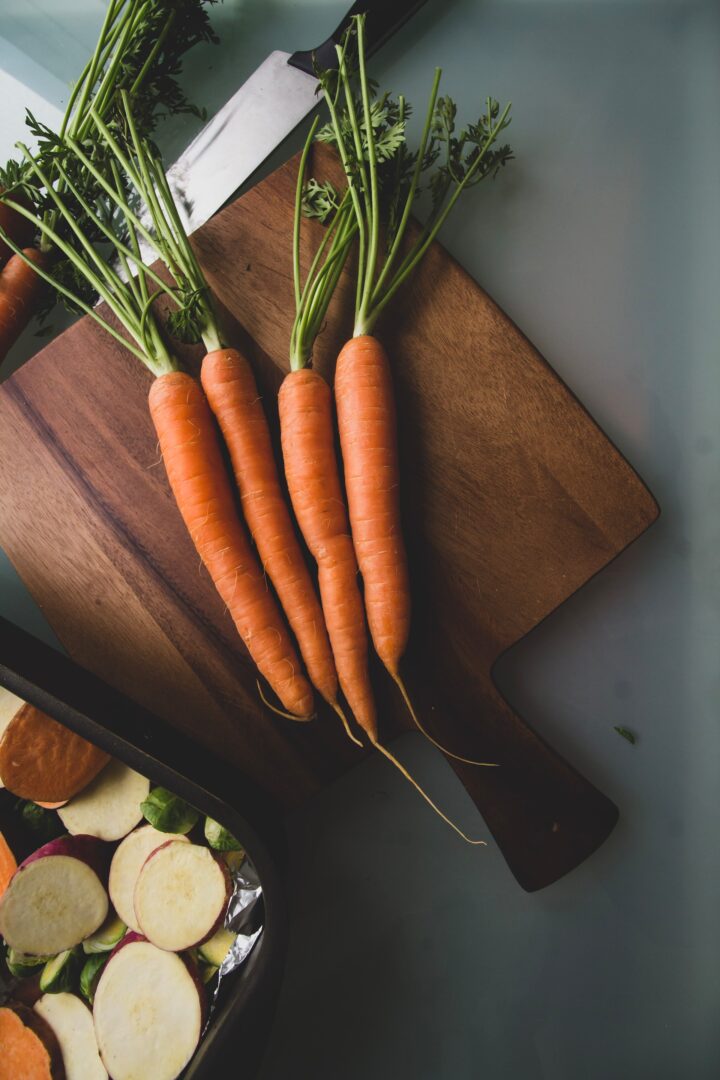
(282, 712)
(345, 724)
(398, 765)
(449, 753)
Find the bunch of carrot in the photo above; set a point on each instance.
(382, 177)
(382, 181)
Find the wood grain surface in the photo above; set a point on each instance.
(512, 498)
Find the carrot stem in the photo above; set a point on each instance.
(302, 168)
(374, 208)
(312, 298)
(417, 171)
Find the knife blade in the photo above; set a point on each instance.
(265, 110)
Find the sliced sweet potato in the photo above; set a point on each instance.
(30, 1049)
(44, 761)
(9, 704)
(8, 864)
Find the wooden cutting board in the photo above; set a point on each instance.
(512, 499)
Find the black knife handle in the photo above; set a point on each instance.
(384, 17)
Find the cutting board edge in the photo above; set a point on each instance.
(653, 509)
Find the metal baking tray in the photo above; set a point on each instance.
(240, 1024)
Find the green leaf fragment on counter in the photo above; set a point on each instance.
(168, 813)
(626, 734)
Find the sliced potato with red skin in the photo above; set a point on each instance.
(43, 760)
(148, 1012)
(109, 807)
(127, 862)
(56, 898)
(72, 1022)
(29, 1049)
(181, 895)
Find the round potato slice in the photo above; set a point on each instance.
(148, 1012)
(181, 895)
(109, 807)
(127, 862)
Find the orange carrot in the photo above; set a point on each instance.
(20, 289)
(230, 387)
(311, 469)
(193, 461)
(366, 422)
(8, 864)
(368, 440)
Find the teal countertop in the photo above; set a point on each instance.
(414, 957)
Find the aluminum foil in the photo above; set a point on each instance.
(244, 919)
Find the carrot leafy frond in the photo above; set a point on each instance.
(385, 176)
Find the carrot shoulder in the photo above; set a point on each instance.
(311, 469)
(231, 390)
(191, 452)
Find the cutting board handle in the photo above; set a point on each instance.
(384, 17)
(545, 817)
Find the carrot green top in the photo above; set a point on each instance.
(128, 175)
(384, 178)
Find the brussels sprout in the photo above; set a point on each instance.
(90, 975)
(59, 974)
(24, 964)
(167, 812)
(219, 838)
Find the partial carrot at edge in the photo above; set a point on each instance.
(199, 481)
(17, 227)
(20, 291)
